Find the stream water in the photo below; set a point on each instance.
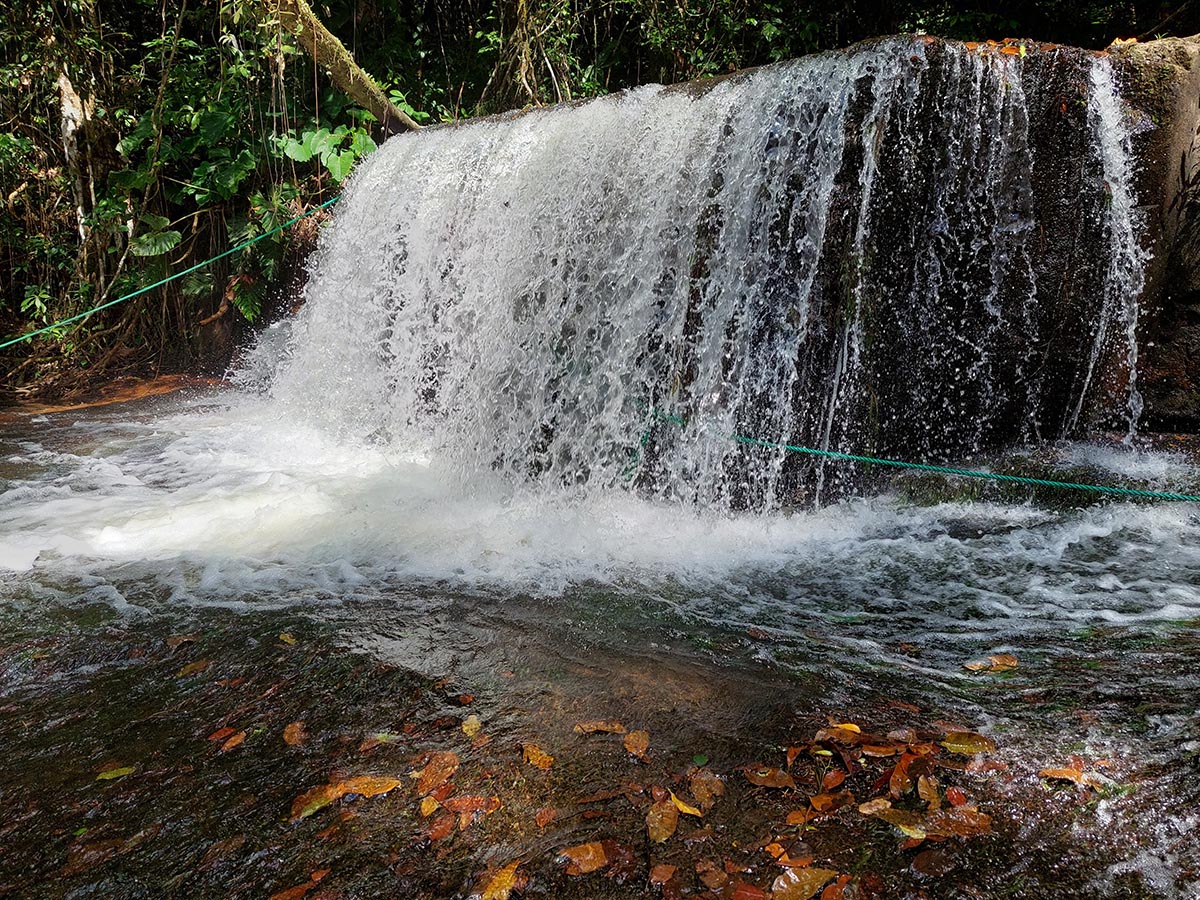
(440, 512)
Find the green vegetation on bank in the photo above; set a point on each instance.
(139, 138)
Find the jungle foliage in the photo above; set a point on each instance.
(138, 138)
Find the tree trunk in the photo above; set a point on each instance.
(297, 17)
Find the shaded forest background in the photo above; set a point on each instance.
(195, 124)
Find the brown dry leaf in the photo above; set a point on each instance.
(829, 802)
(193, 668)
(766, 776)
(873, 807)
(293, 734)
(977, 665)
(706, 787)
(792, 753)
(637, 743)
(440, 827)
(927, 790)
(800, 884)
(428, 807)
(441, 766)
(584, 858)
(957, 796)
(662, 873)
(600, 726)
(802, 816)
(968, 743)
(300, 891)
(880, 750)
(684, 808)
(958, 821)
(900, 782)
(471, 725)
(545, 816)
(234, 741)
(714, 879)
(848, 737)
(319, 797)
(744, 891)
(833, 778)
(501, 884)
(661, 821)
(222, 734)
(537, 757)
(468, 808)
(178, 640)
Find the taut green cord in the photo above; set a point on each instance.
(170, 278)
(925, 467)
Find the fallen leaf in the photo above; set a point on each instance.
(428, 807)
(287, 639)
(910, 823)
(235, 741)
(637, 743)
(766, 776)
(879, 750)
(371, 741)
(176, 641)
(536, 757)
(441, 766)
(441, 827)
(800, 884)
(792, 753)
(832, 779)
(545, 816)
(744, 891)
(872, 807)
(193, 668)
(1083, 779)
(707, 788)
(956, 795)
(662, 873)
(684, 808)
(501, 884)
(848, 726)
(300, 891)
(368, 785)
(222, 733)
(927, 790)
(934, 863)
(319, 797)
(313, 801)
(661, 821)
(584, 858)
(468, 808)
(968, 743)
(714, 879)
(958, 821)
(830, 802)
(112, 774)
(600, 726)
(293, 734)
(471, 725)
(1003, 662)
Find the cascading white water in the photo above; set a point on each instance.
(861, 251)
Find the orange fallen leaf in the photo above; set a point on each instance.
(537, 757)
(744, 891)
(956, 795)
(222, 733)
(440, 827)
(832, 779)
(584, 858)
(1075, 774)
(293, 734)
(662, 873)
(368, 785)
(545, 816)
(872, 807)
(441, 766)
(830, 802)
(767, 776)
(707, 788)
(301, 890)
(800, 884)
(235, 741)
(968, 743)
(637, 743)
(428, 807)
(600, 726)
(792, 753)
(319, 797)
(661, 821)
(501, 884)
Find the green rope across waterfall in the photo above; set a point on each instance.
(242, 246)
(924, 467)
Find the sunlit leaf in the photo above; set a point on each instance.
(287, 639)
(428, 807)
(800, 884)
(637, 743)
(471, 725)
(685, 808)
(910, 823)
(873, 807)
(661, 821)
(537, 757)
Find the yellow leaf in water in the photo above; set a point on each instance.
(846, 726)
(368, 785)
(537, 757)
(637, 743)
(471, 725)
(800, 884)
(437, 772)
(429, 807)
(604, 727)
(1003, 662)
(287, 639)
(502, 883)
(584, 858)
(110, 774)
(684, 808)
(968, 743)
(194, 668)
(661, 821)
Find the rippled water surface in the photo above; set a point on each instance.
(727, 636)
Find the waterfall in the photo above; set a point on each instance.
(912, 248)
